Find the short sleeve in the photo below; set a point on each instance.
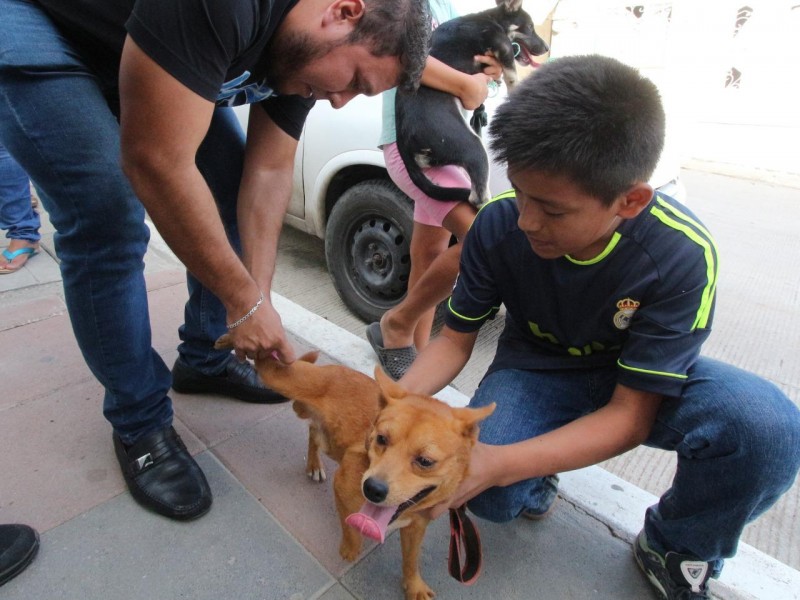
(475, 297)
(288, 112)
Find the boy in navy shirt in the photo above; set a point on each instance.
(609, 292)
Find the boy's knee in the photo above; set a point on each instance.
(492, 507)
(503, 504)
(768, 439)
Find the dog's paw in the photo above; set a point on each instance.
(419, 590)
(317, 474)
(479, 198)
(349, 551)
(314, 467)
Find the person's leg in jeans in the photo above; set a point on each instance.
(55, 120)
(17, 217)
(736, 435)
(530, 403)
(200, 367)
(220, 160)
(738, 442)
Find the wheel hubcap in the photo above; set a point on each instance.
(380, 259)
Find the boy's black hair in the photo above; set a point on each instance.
(590, 118)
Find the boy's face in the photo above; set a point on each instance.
(559, 218)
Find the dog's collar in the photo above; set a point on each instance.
(411, 502)
(465, 544)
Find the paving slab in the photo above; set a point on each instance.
(117, 550)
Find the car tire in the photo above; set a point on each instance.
(367, 247)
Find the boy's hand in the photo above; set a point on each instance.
(480, 477)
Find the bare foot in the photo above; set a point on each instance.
(394, 333)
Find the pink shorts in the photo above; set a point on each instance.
(427, 210)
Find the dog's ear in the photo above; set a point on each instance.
(510, 6)
(223, 342)
(310, 357)
(390, 389)
(470, 417)
(368, 438)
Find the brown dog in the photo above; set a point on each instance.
(402, 452)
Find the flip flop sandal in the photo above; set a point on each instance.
(9, 256)
(395, 361)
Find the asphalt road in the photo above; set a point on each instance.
(756, 326)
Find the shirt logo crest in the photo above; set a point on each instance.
(627, 306)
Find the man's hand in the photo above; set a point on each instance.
(261, 335)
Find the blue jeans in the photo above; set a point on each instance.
(17, 216)
(58, 118)
(736, 435)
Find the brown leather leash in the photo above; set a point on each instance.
(465, 547)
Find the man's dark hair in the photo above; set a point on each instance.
(591, 119)
(397, 28)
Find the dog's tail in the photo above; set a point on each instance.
(476, 167)
(446, 194)
(297, 381)
(303, 380)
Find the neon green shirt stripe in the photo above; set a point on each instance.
(705, 232)
(704, 311)
(612, 243)
(460, 316)
(649, 372)
(685, 217)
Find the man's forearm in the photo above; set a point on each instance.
(162, 125)
(262, 205)
(183, 210)
(264, 194)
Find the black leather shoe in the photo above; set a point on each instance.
(18, 545)
(163, 476)
(239, 380)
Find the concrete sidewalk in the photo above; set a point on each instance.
(272, 533)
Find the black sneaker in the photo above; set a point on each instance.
(552, 498)
(239, 380)
(675, 576)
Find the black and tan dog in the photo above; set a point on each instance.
(431, 130)
(399, 453)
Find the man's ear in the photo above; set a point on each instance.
(349, 11)
(635, 200)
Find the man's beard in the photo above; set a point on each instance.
(286, 54)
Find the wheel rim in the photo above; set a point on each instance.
(380, 261)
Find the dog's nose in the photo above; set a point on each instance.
(375, 490)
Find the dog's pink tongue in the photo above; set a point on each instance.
(372, 521)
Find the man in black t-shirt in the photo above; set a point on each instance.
(89, 85)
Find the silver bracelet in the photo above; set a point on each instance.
(248, 315)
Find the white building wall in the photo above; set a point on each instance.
(728, 71)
